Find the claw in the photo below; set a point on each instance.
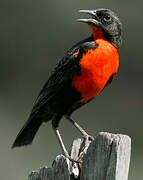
(88, 137)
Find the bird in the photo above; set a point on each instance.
(83, 72)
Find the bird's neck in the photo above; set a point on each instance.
(97, 33)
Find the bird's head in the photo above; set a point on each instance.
(104, 24)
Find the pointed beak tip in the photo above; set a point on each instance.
(82, 11)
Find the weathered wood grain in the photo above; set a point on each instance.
(107, 157)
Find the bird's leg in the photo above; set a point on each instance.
(82, 131)
(65, 152)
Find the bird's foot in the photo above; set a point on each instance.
(88, 137)
(71, 159)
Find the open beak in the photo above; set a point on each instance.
(93, 20)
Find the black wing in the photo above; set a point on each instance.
(64, 71)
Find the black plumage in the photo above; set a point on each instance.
(58, 97)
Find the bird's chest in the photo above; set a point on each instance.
(97, 66)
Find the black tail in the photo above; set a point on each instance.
(27, 133)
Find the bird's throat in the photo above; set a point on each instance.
(97, 32)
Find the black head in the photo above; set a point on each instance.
(108, 22)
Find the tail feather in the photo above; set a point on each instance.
(27, 133)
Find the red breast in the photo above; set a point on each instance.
(97, 66)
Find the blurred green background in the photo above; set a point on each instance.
(34, 35)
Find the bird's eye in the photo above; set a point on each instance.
(107, 18)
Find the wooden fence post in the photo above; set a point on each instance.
(107, 157)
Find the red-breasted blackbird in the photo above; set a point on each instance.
(78, 77)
